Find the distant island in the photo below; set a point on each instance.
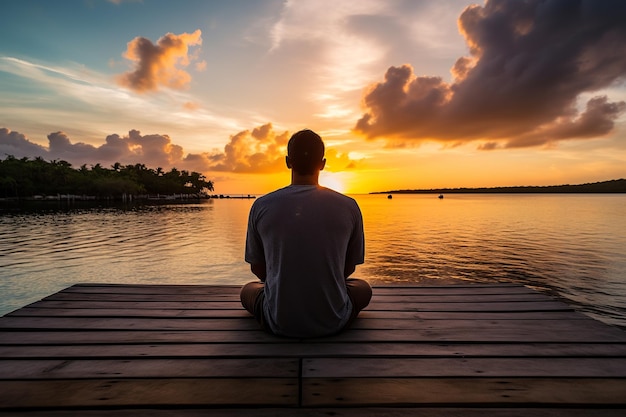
(612, 186)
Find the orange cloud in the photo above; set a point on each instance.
(201, 66)
(159, 65)
(529, 64)
(260, 151)
(191, 106)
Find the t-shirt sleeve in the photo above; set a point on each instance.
(254, 253)
(355, 254)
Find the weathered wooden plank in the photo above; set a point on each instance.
(229, 297)
(325, 412)
(454, 290)
(315, 350)
(539, 326)
(35, 311)
(500, 287)
(474, 315)
(450, 298)
(154, 289)
(476, 306)
(125, 336)
(479, 335)
(176, 293)
(233, 290)
(548, 305)
(470, 334)
(135, 285)
(149, 392)
(357, 367)
(222, 292)
(247, 323)
(149, 368)
(181, 298)
(135, 323)
(149, 305)
(462, 391)
(445, 284)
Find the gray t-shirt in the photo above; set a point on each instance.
(306, 235)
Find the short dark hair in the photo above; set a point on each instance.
(305, 151)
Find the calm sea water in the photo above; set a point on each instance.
(571, 245)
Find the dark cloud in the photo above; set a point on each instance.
(17, 145)
(529, 64)
(159, 65)
(260, 150)
(152, 150)
(61, 147)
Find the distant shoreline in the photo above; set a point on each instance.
(612, 186)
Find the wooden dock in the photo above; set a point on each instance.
(96, 350)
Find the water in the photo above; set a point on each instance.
(570, 245)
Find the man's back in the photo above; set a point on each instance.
(303, 242)
(306, 235)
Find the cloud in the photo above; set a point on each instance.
(340, 51)
(529, 65)
(191, 106)
(159, 65)
(16, 144)
(94, 104)
(262, 150)
(201, 66)
(152, 150)
(259, 151)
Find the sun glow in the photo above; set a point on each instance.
(332, 180)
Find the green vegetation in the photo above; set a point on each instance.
(613, 186)
(25, 178)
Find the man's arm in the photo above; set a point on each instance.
(259, 270)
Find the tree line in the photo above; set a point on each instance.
(25, 177)
(611, 186)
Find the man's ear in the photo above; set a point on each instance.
(323, 164)
(288, 162)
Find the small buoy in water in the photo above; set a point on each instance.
(389, 196)
(440, 196)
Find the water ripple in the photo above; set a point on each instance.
(573, 246)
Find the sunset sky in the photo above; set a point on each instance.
(405, 93)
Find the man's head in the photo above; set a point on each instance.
(305, 152)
